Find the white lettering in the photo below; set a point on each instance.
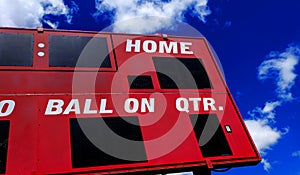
(103, 109)
(149, 105)
(73, 106)
(164, 48)
(195, 103)
(130, 45)
(182, 105)
(151, 44)
(54, 107)
(131, 105)
(10, 107)
(184, 47)
(209, 102)
(87, 107)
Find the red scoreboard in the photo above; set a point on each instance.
(74, 102)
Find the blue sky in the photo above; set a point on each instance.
(257, 42)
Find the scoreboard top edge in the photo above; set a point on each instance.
(42, 30)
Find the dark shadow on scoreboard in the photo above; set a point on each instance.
(87, 154)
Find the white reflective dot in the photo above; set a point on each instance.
(228, 128)
(41, 45)
(41, 54)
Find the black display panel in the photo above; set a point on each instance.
(165, 81)
(88, 133)
(181, 73)
(140, 82)
(16, 49)
(210, 135)
(4, 132)
(65, 51)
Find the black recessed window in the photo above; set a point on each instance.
(93, 144)
(16, 49)
(181, 73)
(140, 82)
(165, 81)
(4, 131)
(80, 51)
(210, 135)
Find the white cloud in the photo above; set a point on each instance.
(267, 165)
(53, 25)
(263, 135)
(296, 154)
(270, 107)
(281, 68)
(267, 112)
(134, 16)
(24, 13)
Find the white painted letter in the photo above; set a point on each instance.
(127, 104)
(184, 46)
(209, 102)
(87, 107)
(195, 103)
(164, 46)
(54, 107)
(73, 106)
(185, 107)
(153, 46)
(9, 109)
(103, 109)
(130, 45)
(145, 103)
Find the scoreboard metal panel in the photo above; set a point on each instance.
(74, 102)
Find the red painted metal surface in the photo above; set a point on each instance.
(39, 141)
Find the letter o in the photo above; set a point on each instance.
(152, 45)
(9, 109)
(135, 106)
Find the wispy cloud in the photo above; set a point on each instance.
(296, 154)
(279, 67)
(266, 163)
(24, 13)
(135, 16)
(267, 112)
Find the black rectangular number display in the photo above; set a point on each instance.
(140, 82)
(80, 51)
(4, 131)
(106, 141)
(16, 49)
(181, 73)
(210, 135)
